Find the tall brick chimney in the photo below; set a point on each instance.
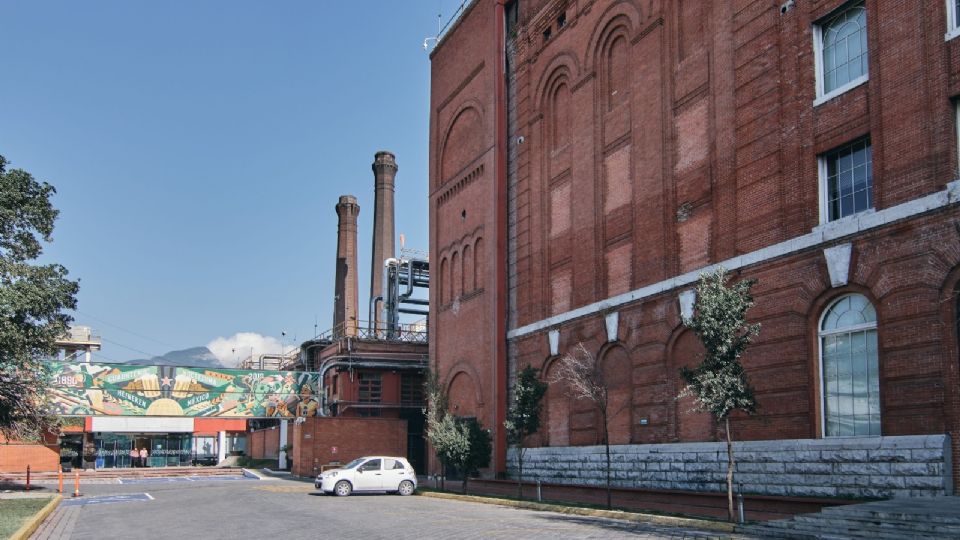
(345, 287)
(384, 172)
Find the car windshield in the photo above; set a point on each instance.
(354, 463)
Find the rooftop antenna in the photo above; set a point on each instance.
(439, 23)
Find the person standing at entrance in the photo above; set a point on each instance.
(143, 456)
(134, 456)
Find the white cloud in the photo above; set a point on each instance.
(231, 350)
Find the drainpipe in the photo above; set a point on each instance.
(500, 328)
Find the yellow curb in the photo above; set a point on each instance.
(718, 526)
(31, 525)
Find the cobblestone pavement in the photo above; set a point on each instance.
(291, 510)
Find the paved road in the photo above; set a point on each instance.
(291, 510)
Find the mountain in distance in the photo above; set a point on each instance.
(193, 357)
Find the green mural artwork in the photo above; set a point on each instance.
(131, 390)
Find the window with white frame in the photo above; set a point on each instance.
(850, 378)
(953, 19)
(840, 43)
(846, 180)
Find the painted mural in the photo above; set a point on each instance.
(131, 390)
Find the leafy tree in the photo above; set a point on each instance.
(32, 303)
(476, 454)
(719, 384)
(523, 417)
(580, 371)
(460, 443)
(441, 431)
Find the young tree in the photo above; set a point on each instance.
(32, 301)
(476, 455)
(442, 431)
(523, 417)
(581, 373)
(719, 384)
(461, 443)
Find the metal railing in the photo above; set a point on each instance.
(365, 330)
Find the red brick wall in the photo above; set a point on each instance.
(462, 196)
(265, 443)
(713, 142)
(15, 456)
(315, 440)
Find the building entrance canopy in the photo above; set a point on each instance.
(81, 389)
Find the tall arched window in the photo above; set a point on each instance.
(849, 368)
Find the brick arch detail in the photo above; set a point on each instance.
(556, 408)
(619, 381)
(470, 107)
(463, 368)
(950, 363)
(623, 14)
(563, 67)
(687, 426)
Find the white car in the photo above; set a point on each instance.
(370, 473)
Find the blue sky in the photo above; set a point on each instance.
(198, 149)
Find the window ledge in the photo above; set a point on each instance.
(951, 33)
(845, 221)
(842, 90)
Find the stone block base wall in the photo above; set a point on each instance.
(905, 466)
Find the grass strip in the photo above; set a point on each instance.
(17, 514)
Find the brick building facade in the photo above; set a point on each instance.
(590, 158)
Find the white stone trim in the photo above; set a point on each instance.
(553, 337)
(838, 263)
(820, 235)
(687, 299)
(612, 321)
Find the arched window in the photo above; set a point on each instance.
(850, 377)
(843, 49)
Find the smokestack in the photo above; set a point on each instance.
(384, 172)
(345, 288)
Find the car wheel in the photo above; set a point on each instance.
(406, 488)
(343, 488)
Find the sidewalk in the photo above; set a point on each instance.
(59, 525)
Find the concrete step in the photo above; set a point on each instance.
(882, 525)
(831, 530)
(768, 531)
(823, 531)
(938, 514)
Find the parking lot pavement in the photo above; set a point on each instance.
(292, 510)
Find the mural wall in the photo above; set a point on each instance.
(132, 390)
